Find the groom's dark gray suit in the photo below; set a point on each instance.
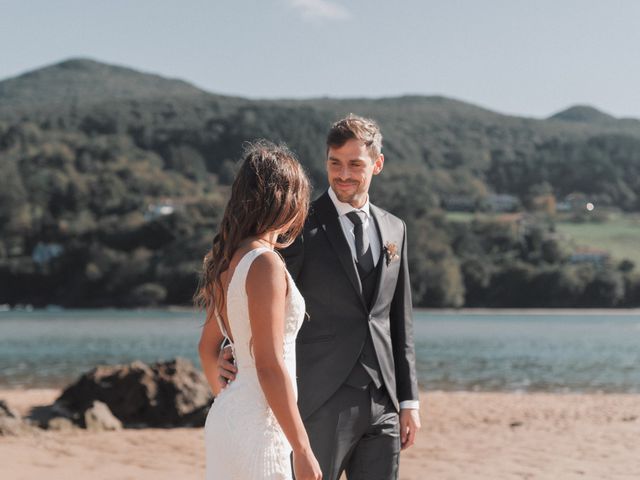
(353, 322)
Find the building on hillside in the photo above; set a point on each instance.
(160, 209)
(43, 253)
(501, 203)
(593, 256)
(575, 203)
(459, 203)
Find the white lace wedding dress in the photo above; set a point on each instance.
(243, 440)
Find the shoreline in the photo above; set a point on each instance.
(532, 311)
(484, 436)
(45, 391)
(22, 388)
(446, 311)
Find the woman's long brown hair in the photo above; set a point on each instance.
(270, 191)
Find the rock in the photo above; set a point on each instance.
(167, 394)
(98, 418)
(53, 417)
(183, 390)
(10, 421)
(6, 411)
(13, 427)
(60, 424)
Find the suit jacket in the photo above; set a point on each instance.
(331, 338)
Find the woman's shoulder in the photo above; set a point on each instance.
(265, 261)
(267, 272)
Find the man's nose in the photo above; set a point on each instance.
(344, 173)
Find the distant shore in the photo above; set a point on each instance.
(532, 311)
(483, 436)
(447, 311)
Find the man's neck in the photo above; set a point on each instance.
(354, 204)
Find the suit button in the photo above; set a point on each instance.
(370, 317)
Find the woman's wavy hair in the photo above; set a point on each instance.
(271, 191)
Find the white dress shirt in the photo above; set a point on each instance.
(368, 226)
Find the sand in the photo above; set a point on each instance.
(489, 436)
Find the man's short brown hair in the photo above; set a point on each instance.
(359, 128)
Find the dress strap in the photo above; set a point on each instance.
(221, 324)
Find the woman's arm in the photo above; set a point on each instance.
(266, 291)
(209, 349)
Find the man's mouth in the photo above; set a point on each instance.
(345, 184)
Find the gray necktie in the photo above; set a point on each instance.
(364, 257)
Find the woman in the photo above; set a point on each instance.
(251, 300)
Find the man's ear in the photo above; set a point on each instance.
(378, 164)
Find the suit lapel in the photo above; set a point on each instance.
(380, 218)
(328, 219)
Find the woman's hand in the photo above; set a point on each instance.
(305, 465)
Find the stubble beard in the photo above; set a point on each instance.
(355, 199)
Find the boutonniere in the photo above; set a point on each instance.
(391, 252)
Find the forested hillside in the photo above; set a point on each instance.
(113, 182)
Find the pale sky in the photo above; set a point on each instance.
(524, 57)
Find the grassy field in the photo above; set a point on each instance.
(619, 234)
(460, 216)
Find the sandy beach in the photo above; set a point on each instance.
(488, 436)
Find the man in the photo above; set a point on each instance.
(357, 388)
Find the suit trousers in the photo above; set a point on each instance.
(358, 431)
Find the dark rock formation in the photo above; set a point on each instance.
(168, 394)
(53, 417)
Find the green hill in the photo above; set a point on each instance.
(82, 82)
(89, 151)
(585, 114)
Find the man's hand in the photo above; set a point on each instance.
(226, 369)
(409, 426)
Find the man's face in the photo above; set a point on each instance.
(350, 169)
